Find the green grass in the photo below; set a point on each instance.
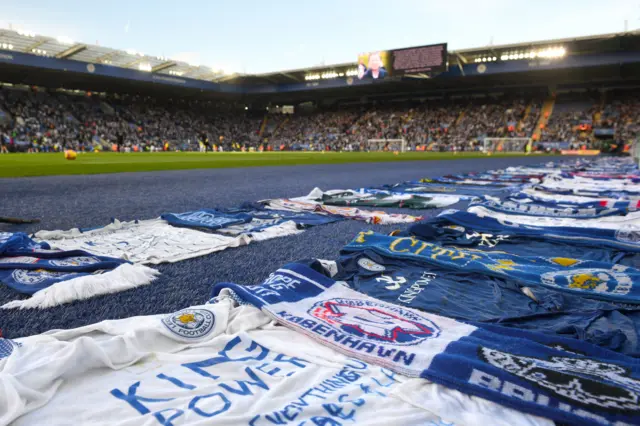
(20, 165)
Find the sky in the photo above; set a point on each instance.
(257, 36)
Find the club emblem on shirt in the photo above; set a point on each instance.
(370, 265)
(190, 323)
(613, 281)
(392, 283)
(373, 321)
(582, 381)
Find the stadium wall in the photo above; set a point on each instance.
(19, 59)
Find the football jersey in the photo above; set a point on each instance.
(363, 198)
(473, 296)
(472, 190)
(442, 199)
(630, 221)
(457, 221)
(550, 199)
(517, 368)
(369, 216)
(151, 241)
(585, 278)
(349, 198)
(536, 209)
(215, 363)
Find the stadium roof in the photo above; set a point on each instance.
(65, 48)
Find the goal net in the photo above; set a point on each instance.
(493, 145)
(391, 145)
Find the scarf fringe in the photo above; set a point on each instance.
(122, 278)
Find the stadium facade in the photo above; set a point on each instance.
(600, 61)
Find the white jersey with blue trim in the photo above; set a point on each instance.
(628, 221)
(574, 199)
(216, 363)
(577, 184)
(150, 241)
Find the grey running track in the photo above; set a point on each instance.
(64, 202)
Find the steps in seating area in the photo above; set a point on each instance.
(263, 126)
(545, 115)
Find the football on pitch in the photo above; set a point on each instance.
(70, 154)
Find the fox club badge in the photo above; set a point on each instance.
(190, 323)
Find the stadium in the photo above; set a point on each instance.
(422, 236)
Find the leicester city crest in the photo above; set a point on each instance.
(370, 265)
(37, 276)
(590, 280)
(190, 323)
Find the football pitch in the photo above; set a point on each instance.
(23, 165)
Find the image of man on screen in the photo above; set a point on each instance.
(375, 68)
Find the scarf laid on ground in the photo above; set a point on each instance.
(561, 379)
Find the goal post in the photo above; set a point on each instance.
(493, 145)
(391, 145)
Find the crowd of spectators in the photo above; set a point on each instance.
(570, 126)
(623, 116)
(43, 121)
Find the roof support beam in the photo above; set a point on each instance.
(35, 45)
(71, 51)
(107, 56)
(163, 66)
(130, 64)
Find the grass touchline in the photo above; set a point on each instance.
(23, 165)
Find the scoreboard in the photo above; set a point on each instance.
(419, 60)
(429, 60)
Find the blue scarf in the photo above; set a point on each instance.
(626, 240)
(588, 278)
(561, 379)
(27, 266)
(206, 218)
(254, 217)
(535, 209)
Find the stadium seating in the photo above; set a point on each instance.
(38, 120)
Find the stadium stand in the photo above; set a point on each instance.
(44, 121)
(150, 103)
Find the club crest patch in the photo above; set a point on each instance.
(592, 280)
(18, 259)
(34, 277)
(75, 261)
(376, 322)
(582, 381)
(190, 323)
(628, 235)
(370, 265)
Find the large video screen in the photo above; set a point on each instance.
(412, 60)
(419, 60)
(374, 65)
